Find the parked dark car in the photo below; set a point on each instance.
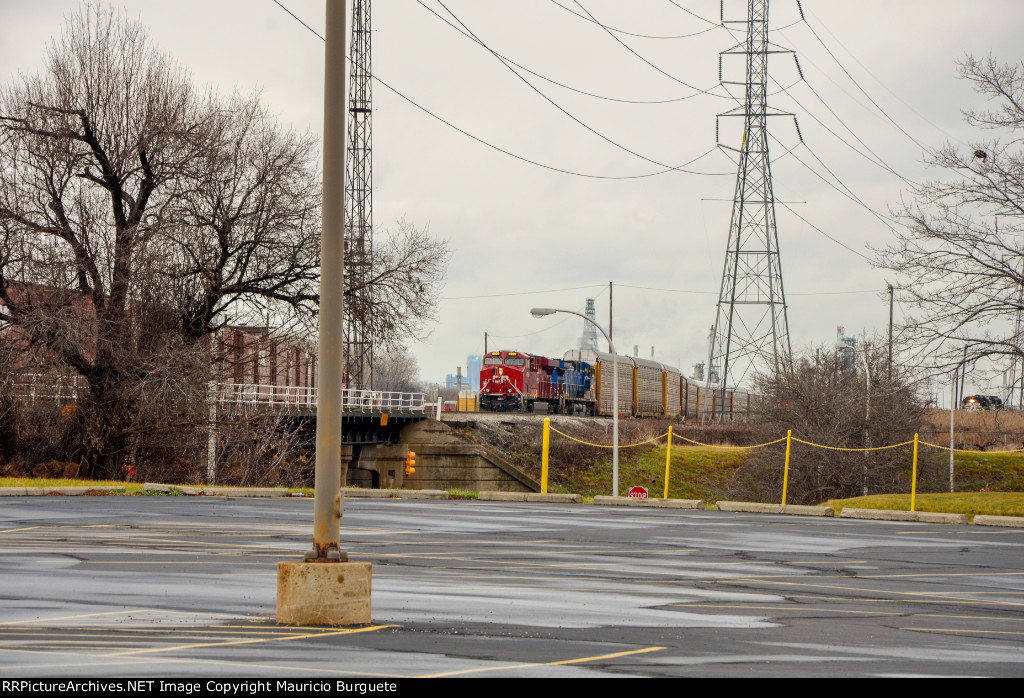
(981, 402)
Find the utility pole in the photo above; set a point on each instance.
(327, 500)
(751, 324)
(952, 406)
(359, 206)
(890, 332)
(963, 376)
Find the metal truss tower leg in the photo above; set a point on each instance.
(751, 330)
(358, 321)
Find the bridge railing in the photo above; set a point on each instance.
(37, 387)
(304, 398)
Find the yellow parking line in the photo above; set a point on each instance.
(249, 642)
(962, 630)
(533, 664)
(84, 615)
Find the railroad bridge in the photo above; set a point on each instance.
(378, 428)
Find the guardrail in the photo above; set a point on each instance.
(37, 387)
(304, 398)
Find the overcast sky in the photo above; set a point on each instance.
(523, 235)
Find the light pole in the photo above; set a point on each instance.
(541, 312)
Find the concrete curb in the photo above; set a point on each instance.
(68, 491)
(421, 494)
(360, 493)
(217, 491)
(989, 520)
(892, 515)
(660, 503)
(790, 509)
(529, 497)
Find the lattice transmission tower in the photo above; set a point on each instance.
(358, 322)
(751, 327)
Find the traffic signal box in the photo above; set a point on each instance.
(410, 463)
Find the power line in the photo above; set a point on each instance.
(574, 13)
(841, 244)
(711, 293)
(863, 91)
(522, 293)
(550, 80)
(694, 14)
(552, 168)
(628, 48)
(545, 97)
(299, 20)
(718, 24)
(877, 161)
(845, 191)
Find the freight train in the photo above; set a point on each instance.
(581, 383)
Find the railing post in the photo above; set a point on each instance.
(211, 443)
(785, 476)
(913, 482)
(544, 457)
(668, 458)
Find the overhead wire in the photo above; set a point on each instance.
(640, 36)
(719, 24)
(849, 193)
(545, 97)
(502, 57)
(877, 106)
(843, 189)
(666, 168)
(299, 20)
(562, 170)
(652, 65)
(712, 293)
(838, 242)
(520, 293)
(877, 159)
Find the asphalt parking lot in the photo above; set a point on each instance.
(185, 587)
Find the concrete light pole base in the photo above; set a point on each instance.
(323, 593)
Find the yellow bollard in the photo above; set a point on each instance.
(913, 483)
(668, 458)
(785, 476)
(544, 457)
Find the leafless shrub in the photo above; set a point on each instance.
(265, 450)
(846, 406)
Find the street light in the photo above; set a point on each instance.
(541, 312)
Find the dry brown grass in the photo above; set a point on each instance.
(989, 430)
(978, 420)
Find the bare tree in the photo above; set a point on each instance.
(134, 213)
(842, 401)
(961, 256)
(407, 273)
(138, 217)
(396, 370)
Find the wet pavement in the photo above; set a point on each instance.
(185, 586)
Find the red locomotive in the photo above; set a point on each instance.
(511, 381)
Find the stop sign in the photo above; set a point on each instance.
(637, 492)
